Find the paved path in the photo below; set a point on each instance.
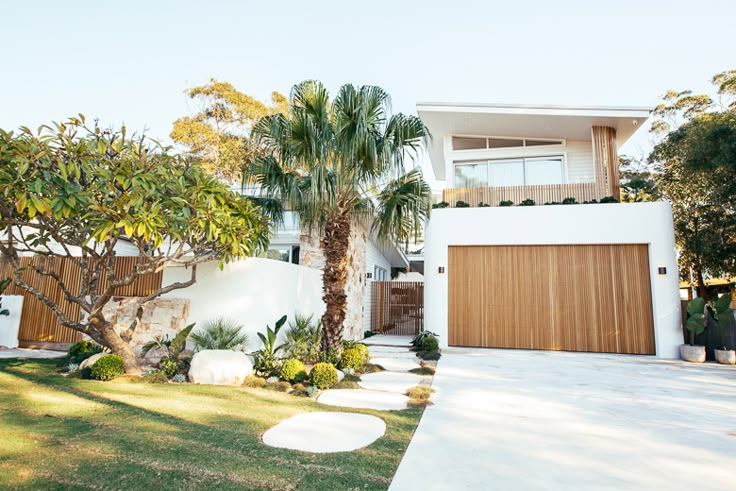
(30, 353)
(514, 419)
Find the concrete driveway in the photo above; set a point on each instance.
(512, 419)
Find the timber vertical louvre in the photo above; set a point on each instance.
(397, 307)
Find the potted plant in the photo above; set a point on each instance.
(695, 325)
(724, 314)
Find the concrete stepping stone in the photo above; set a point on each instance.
(364, 399)
(325, 432)
(390, 381)
(402, 353)
(396, 364)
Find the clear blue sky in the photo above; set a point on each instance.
(129, 61)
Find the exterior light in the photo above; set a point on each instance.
(441, 270)
(369, 275)
(662, 270)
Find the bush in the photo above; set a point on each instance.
(304, 338)
(293, 370)
(81, 350)
(429, 356)
(352, 358)
(179, 378)
(107, 368)
(507, 202)
(169, 367)
(423, 370)
(420, 393)
(323, 375)
(441, 204)
(156, 377)
(254, 382)
(430, 344)
(462, 204)
(360, 347)
(220, 333)
(608, 199)
(332, 357)
(266, 364)
(528, 202)
(483, 205)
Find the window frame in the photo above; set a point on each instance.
(553, 142)
(563, 168)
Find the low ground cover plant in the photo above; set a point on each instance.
(107, 368)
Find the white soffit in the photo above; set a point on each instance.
(505, 120)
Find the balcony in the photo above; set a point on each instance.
(541, 194)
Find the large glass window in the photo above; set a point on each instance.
(486, 142)
(516, 172)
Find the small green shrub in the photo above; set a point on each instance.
(363, 351)
(569, 201)
(528, 202)
(108, 367)
(179, 378)
(254, 382)
(483, 205)
(323, 375)
(278, 386)
(352, 358)
(156, 377)
(312, 391)
(420, 392)
(608, 199)
(293, 370)
(441, 204)
(81, 350)
(430, 344)
(429, 356)
(424, 370)
(506, 202)
(462, 204)
(220, 333)
(266, 361)
(169, 367)
(332, 357)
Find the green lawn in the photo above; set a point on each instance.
(59, 433)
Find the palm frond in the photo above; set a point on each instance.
(402, 207)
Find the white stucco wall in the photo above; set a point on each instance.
(635, 223)
(254, 292)
(10, 324)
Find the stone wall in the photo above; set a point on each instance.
(161, 317)
(310, 254)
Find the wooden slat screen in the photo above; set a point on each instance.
(605, 158)
(38, 323)
(541, 194)
(557, 297)
(397, 307)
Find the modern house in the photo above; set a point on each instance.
(577, 277)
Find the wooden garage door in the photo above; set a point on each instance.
(573, 297)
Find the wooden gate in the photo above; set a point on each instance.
(39, 326)
(397, 307)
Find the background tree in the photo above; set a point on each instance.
(695, 160)
(335, 162)
(218, 134)
(75, 193)
(637, 181)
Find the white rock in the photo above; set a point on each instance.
(340, 376)
(219, 367)
(92, 360)
(325, 432)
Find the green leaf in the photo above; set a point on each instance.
(723, 303)
(696, 323)
(696, 306)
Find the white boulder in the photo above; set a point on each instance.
(219, 367)
(92, 360)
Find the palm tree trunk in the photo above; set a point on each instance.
(335, 242)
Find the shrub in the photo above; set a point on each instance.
(441, 204)
(312, 391)
(265, 360)
(363, 351)
(430, 356)
(332, 357)
(323, 375)
(420, 392)
(506, 202)
(608, 199)
(220, 333)
(278, 386)
(293, 370)
(528, 202)
(169, 367)
(81, 350)
(423, 370)
(430, 344)
(180, 378)
(156, 377)
(367, 334)
(72, 367)
(108, 367)
(483, 205)
(569, 201)
(352, 358)
(254, 382)
(304, 338)
(419, 338)
(462, 204)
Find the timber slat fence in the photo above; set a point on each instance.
(541, 194)
(38, 324)
(397, 307)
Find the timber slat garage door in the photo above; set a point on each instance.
(563, 297)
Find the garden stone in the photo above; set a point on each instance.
(325, 432)
(92, 360)
(340, 376)
(364, 399)
(219, 367)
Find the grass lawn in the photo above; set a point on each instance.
(59, 433)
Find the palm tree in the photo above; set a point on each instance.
(337, 163)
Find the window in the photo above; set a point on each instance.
(511, 172)
(285, 253)
(379, 274)
(489, 142)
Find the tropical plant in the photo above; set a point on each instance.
(77, 192)
(418, 340)
(722, 312)
(174, 359)
(337, 163)
(221, 333)
(265, 360)
(303, 338)
(107, 368)
(4, 284)
(323, 375)
(696, 320)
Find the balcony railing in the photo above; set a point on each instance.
(541, 194)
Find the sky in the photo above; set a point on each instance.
(128, 62)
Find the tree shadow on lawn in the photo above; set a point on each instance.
(124, 445)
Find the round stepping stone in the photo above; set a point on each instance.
(325, 432)
(364, 399)
(396, 364)
(390, 381)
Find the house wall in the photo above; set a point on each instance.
(635, 223)
(254, 292)
(10, 324)
(373, 257)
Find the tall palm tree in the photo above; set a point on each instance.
(336, 162)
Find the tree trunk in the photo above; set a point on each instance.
(703, 290)
(109, 338)
(335, 242)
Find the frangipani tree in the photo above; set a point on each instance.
(76, 192)
(333, 162)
